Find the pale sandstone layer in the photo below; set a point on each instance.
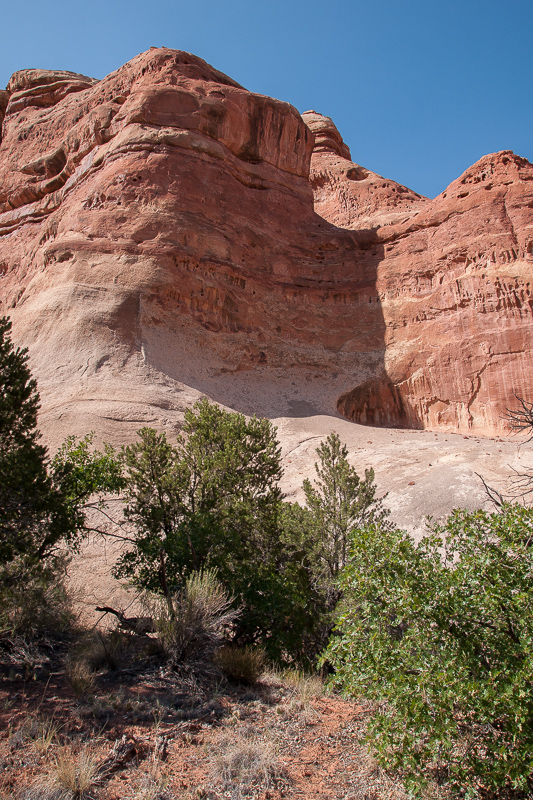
(166, 234)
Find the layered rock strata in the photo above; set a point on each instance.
(165, 233)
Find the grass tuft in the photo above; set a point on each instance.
(306, 686)
(81, 679)
(244, 763)
(243, 664)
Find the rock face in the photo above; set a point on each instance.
(165, 234)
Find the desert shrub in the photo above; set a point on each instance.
(242, 664)
(440, 635)
(212, 500)
(193, 624)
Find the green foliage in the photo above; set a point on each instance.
(211, 501)
(32, 516)
(42, 505)
(84, 478)
(317, 538)
(339, 502)
(440, 634)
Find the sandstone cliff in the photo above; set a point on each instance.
(165, 233)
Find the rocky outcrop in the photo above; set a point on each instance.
(453, 283)
(347, 194)
(165, 233)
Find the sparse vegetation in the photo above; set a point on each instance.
(73, 775)
(245, 763)
(434, 639)
(193, 624)
(106, 649)
(81, 678)
(306, 686)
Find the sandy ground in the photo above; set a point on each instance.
(423, 473)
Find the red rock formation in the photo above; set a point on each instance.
(159, 239)
(347, 194)
(453, 285)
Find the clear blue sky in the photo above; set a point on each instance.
(420, 89)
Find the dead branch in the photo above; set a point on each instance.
(140, 625)
(521, 418)
(493, 495)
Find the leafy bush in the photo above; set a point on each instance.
(210, 501)
(440, 635)
(213, 500)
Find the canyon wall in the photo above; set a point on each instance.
(166, 234)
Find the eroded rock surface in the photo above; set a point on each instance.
(165, 234)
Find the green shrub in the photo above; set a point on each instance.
(440, 635)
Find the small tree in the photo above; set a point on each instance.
(440, 635)
(32, 516)
(212, 501)
(339, 502)
(318, 536)
(42, 505)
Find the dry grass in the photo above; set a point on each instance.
(306, 686)
(46, 736)
(151, 784)
(243, 664)
(279, 739)
(112, 650)
(81, 679)
(245, 762)
(194, 624)
(73, 777)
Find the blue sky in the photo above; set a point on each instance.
(419, 89)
